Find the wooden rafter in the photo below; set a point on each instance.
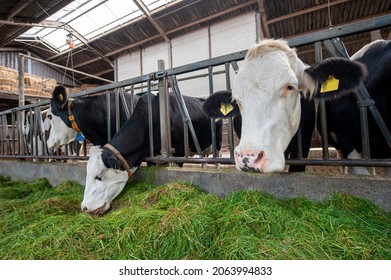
(140, 4)
(306, 11)
(264, 22)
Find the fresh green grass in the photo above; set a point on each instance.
(179, 221)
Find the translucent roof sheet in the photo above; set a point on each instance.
(91, 18)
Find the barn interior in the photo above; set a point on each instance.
(28, 27)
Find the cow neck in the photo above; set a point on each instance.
(124, 163)
(71, 118)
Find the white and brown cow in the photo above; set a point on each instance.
(267, 92)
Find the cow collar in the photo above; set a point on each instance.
(124, 163)
(72, 119)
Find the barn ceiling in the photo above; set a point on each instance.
(154, 21)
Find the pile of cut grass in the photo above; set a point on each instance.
(179, 221)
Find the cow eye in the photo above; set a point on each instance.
(98, 178)
(50, 117)
(287, 90)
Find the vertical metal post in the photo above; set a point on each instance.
(125, 104)
(150, 119)
(322, 108)
(21, 61)
(230, 130)
(132, 99)
(163, 103)
(2, 133)
(13, 132)
(108, 106)
(117, 111)
(185, 114)
(212, 120)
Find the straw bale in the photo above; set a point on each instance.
(33, 84)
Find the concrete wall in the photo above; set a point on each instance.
(222, 182)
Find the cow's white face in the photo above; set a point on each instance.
(60, 133)
(102, 184)
(267, 92)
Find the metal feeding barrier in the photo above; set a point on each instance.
(15, 143)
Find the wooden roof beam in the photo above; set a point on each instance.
(264, 23)
(306, 11)
(140, 4)
(17, 8)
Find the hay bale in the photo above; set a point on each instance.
(37, 85)
(8, 79)
(34, 85)
(81, 88)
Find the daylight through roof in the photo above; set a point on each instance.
(84, 20)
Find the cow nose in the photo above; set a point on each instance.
(84, 208)
(250, 160)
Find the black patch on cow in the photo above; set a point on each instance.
(343, 115)
(349, 73)
(214, 102)
(132, 140)
(91, 114)
(59, 98)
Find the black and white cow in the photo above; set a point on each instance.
(90, 117)
(343, 117)
(266, 91)
(109, 167)
(213, 105)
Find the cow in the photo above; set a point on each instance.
(307, 123)
(34, 136)
(109, 167)
(266, 92)
(343, 117)
(89, 118)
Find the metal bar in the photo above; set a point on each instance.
(163, 100)
(125, 104)
(230, 130)
(348, 29)
(316, 162)
(108, 120)
(7, 137)
(322, 108)
(212, 120)
(185, 113)
(117, 111)
(150, 119)
(42, 133)
(13, 132)
(66, 68)
(2, 133)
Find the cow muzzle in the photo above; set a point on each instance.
(96, 212)
(257, 161)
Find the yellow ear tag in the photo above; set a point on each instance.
(331, 84)
(226, 108)
(61, 97)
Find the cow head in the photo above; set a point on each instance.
(61, 132)
(104, 182)
(267, 90)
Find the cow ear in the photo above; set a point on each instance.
(59, 97)
(221, 105)
(334, 76)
